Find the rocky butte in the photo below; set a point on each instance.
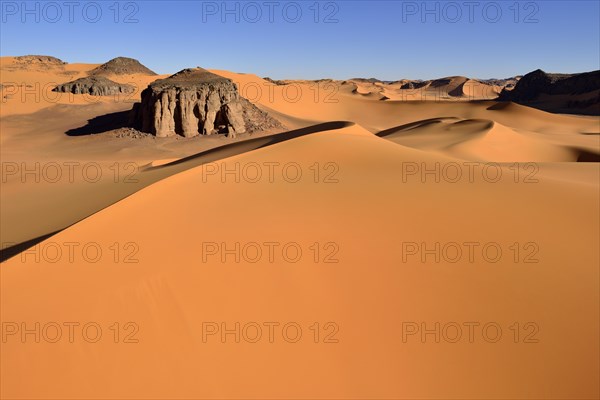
(197, 102)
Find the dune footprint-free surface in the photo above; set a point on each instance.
(322, 286)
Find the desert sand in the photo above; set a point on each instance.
(506, 174)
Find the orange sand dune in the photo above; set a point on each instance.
(106, 184)
(478, 139)
(173, 300)
(412, 249)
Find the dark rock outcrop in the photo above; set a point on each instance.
(95, 86)
(36, 59)
(122, 66)
(574, 93)
(414, 85)
(506, 83)
(195, 101)
(275, 82)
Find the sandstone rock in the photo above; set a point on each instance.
(275, 82)
(564, 93)
(36, 59)
(506, 83)
(95, 86)
(195, 101)
(414, 85)
(538, 82)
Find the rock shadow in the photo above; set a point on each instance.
(102, 123)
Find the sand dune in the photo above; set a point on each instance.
(456, 88)
(478, 140)
(360, 174)
(106, 191)
(368, 294)
(476, 131)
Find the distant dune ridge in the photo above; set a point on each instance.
(452, 88)
(193, 102)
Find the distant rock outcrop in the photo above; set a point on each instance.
(274, 81)
(122, 66)
(35, 59)
(414, 84)
(95, 86)
(570, 93)
(195, 101)
(369, 80)
(36, 63)
(505, 83)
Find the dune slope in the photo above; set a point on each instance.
(359, 213)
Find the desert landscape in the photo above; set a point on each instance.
(211, 234)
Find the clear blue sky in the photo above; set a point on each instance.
(338, 39)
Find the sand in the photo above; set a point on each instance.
(364, 197)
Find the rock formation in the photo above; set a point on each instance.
(121, 66)
(95, 86)
(569, 93)
(538, 82)
(195, 101)
(414, 85)
(36, 59)
(36, 63)
(505, 83)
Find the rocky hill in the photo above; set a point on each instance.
(122, 66)
(565, 93)
(196, 101)
(506, 83)
(36, 59)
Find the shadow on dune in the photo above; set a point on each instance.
(12, 251)
(233, 149)
(588, 156)
(153, 174)
(503, 105)
(101, 124)
(483, 124)
(441, 133)
(412, 125)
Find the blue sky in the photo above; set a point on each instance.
(308, 39)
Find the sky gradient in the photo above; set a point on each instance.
(388, 40)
